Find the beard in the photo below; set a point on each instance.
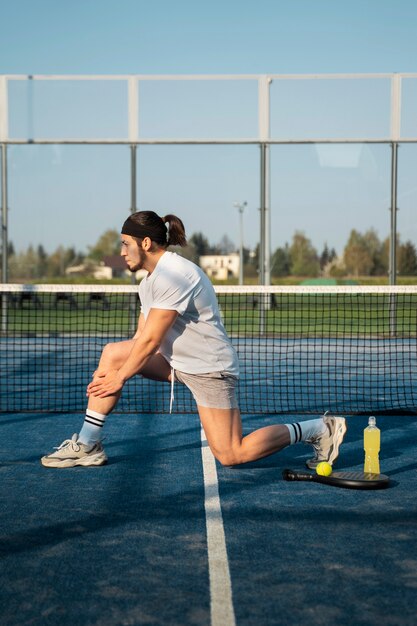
(139, 264)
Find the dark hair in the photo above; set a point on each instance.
(149, 224)
(176, 230)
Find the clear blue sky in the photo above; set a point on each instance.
(69, 195)
(221, 36)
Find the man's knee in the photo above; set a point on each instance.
(228, 457)
(109, 354)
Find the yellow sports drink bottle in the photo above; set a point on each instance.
(372, 444)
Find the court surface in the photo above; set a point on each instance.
(163, 535)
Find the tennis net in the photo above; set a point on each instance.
(301, 349)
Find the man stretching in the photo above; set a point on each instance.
(180, 337)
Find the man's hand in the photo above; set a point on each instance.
(105, 383)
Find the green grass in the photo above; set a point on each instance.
(297, 280)
(291, 315)
(322, 315)
(253, 280)
(76, 314)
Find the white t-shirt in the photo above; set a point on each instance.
(197, 342)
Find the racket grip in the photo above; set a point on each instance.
(289, 474)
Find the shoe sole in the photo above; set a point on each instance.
(339, 435)
(88, 461)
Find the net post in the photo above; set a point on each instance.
(264, 247)
(393, 237)
(393, 210)
(393, 315)
(4, 241)
(133, 182)
(264, 83)
(133, 209)
(262, 242)
(4, 312)
(264, 136)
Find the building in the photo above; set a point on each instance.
(113, 266)
(220, 266)
(110, 267)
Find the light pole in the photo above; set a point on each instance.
(240, 207)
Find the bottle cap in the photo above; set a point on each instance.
(371, 421)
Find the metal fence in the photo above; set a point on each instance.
(267, 110)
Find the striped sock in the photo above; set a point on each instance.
(92, 427)
(302, 431)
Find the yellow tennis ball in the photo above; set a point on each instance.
(324, 469)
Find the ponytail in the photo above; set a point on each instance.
(176, 231)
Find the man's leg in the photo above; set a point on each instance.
(86, 449)
(223, 429)
(114, 355)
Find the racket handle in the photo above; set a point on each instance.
(289, 474)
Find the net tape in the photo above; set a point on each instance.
(306, 349)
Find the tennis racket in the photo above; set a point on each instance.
(346, 480)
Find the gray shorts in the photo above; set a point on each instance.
(215, 390)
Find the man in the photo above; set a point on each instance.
(180, 337)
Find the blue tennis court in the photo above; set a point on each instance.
(164, 535)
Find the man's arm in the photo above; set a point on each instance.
(141, 326)
(158, 322)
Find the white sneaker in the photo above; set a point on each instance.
(71, 453)
(326, 446)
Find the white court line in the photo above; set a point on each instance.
(221, 604)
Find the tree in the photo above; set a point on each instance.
(56, 263)
(386, 244)
(200, 244)
(246, 255)
(225, 246)
(61, 259)
(327, 256)
(280, 264)
(407, 261)
(357, 256)
(376, 250)
(303, 257)
(24, 265)
(42, 263)
(72, 257)
(10, 253)
(365, 254)
(107, 245)
(188, 252)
